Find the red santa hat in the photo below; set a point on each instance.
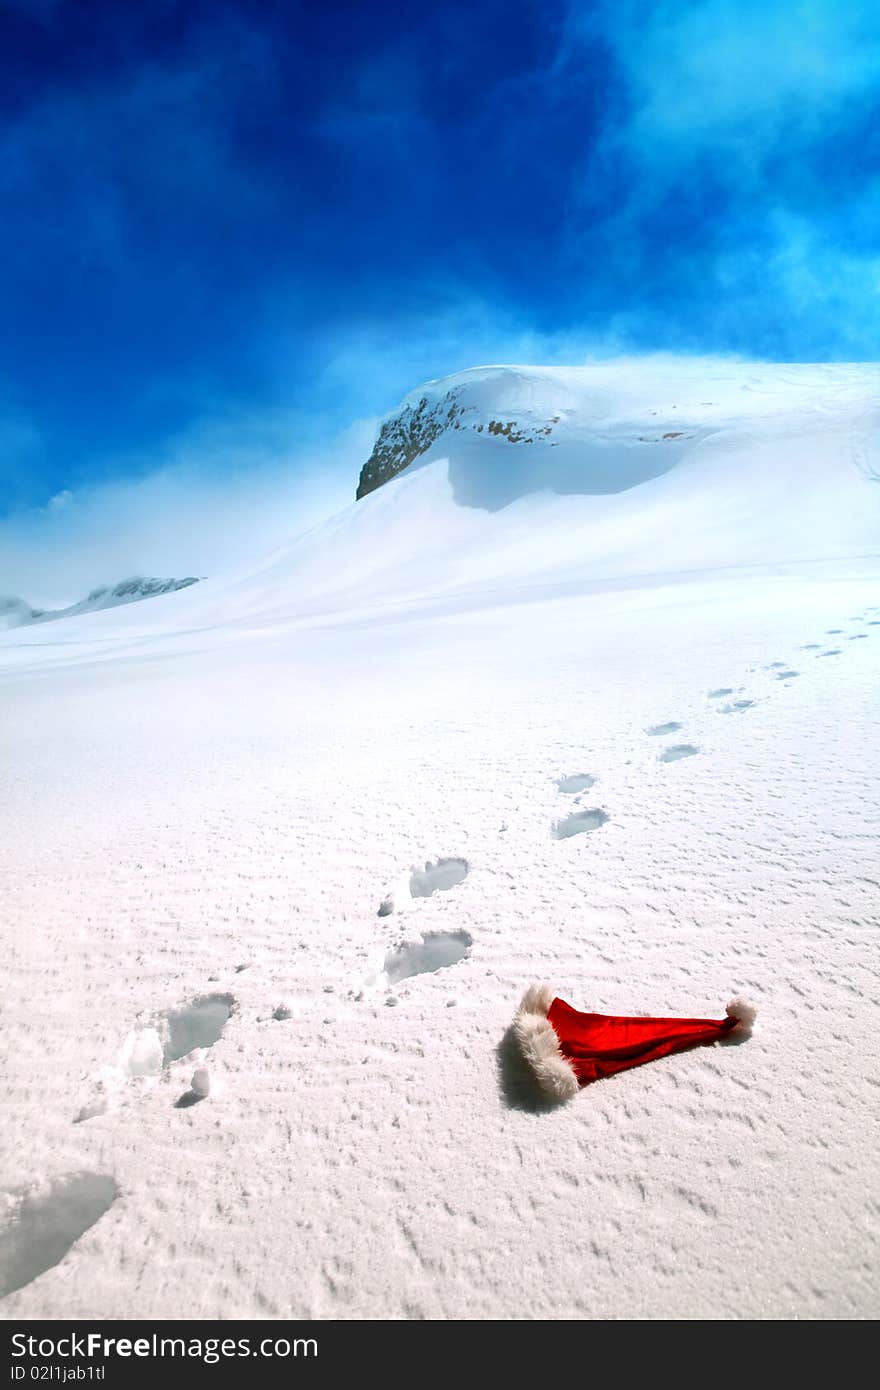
(565, 1049)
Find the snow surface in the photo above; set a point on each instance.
(206, 803)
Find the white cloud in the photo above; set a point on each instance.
(60, 501)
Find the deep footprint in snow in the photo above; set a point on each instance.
(677, 751)
(786, 675)
(439, 876)
(736, 705)
(578, 782)
(435, 951)
(579, 822)
(147, 1051)
(810, 647)
(199, 1024)
(833, 631)
(775, 666)
(658, 730)
(832, 651)
(722, 690)
(39, 1226)
(858, 637)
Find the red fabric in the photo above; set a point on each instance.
(602, 1044)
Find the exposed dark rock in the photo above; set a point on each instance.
(410, 433)
(139, 588)
(407, 436)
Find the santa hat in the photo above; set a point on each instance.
(566, 1049)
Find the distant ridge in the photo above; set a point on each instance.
(16, 612)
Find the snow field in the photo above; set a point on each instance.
(234, 828)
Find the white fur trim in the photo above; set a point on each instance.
(539, 1044)
(744, 1013)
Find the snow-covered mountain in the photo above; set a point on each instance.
(501, 479)
(576, 412)
(599, 430)
(15, 612)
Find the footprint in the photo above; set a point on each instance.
(717, 694)
(676, 751)
(810, 647)
(786, 675)
(775, 666)
(659, 730)
(39, 1225)
(858, 637)
(736, 705)
(578, 782)
(875, 622)
(833, 631)
(832, 651)
(578, 823)
(434, 951)
(146, 1052)
(199, 1024)
(440, 876)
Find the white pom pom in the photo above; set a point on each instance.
(745, 1014)
(539, 1045)
(201, 1082)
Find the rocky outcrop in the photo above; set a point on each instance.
(406, 436)
(129, 590)
(419, 425)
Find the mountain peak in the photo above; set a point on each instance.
(595, 430)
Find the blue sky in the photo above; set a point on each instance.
(231, 231)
